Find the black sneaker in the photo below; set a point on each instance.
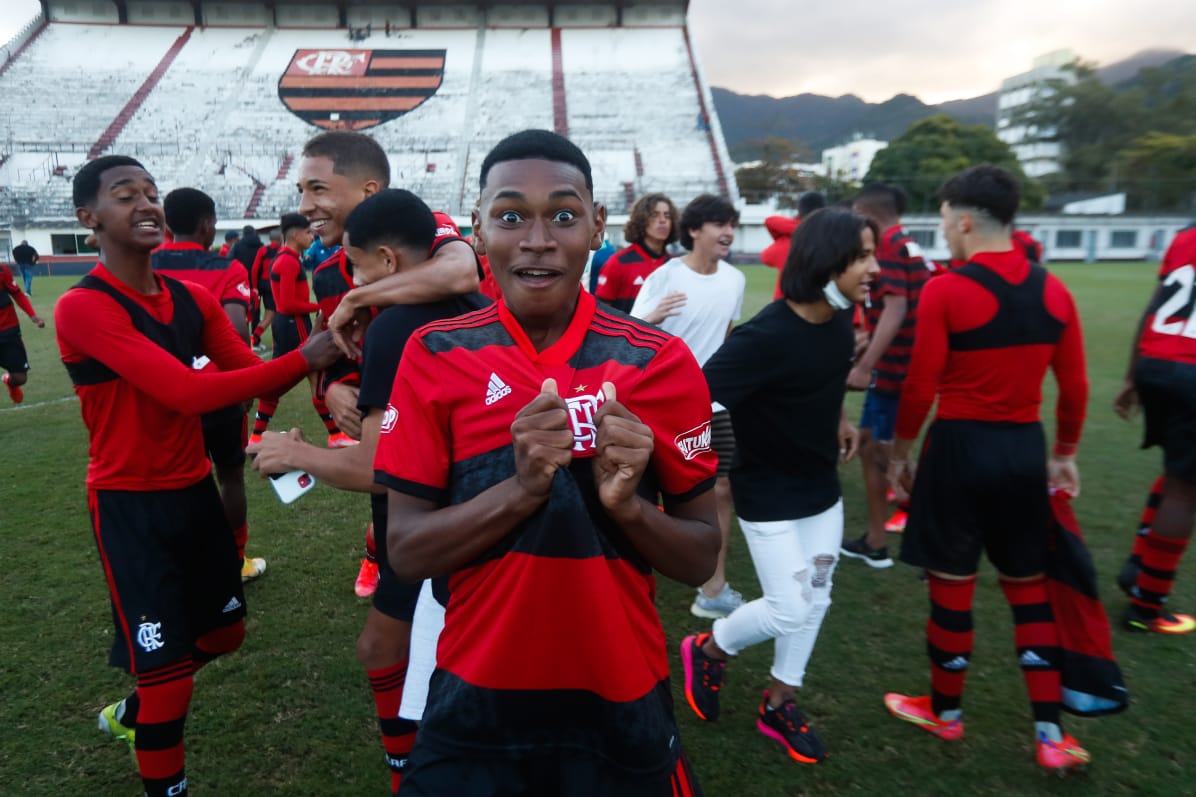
(1128, 577)
(703, 677)
(787, 726)
(873, 557)
(1157, 622)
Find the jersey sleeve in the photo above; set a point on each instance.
(1181, 252)
(93, 326)
(446, 230)
(10, 284)
(1071, 373)
(651, 292)
(927, 361)
(609, 280)
(288, 301)
(415, 446)
(739, 367)
(382, 351)
(672, 399)
(235, 289)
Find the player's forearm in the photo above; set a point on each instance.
(887, 327)
(350, 468)
(424, 541)
(683, 548)
(432, 281)
(23, 302)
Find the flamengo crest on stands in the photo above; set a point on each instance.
(359, 89)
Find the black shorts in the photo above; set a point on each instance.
(12, 355)
(394, 597)
(980, 487)
(722, 440)
(549, 775)
(288, 333)
(173, 570)
(1167, 390)
(266, 294)
(225, 435)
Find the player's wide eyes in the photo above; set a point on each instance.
(510, 217)
(564, 216)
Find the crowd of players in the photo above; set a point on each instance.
(534, 452)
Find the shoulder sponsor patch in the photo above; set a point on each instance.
(694, 442)
(389, 419)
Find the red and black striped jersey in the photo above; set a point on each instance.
(528, 622)
(987, 332)
(1170, 329)
(225, 279)
(624, 273)
(11, 293)
(133, 359)
(903, 272)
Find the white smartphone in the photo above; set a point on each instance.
(292, 484)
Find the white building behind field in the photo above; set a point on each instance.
(1036, 146)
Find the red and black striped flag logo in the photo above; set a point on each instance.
(359, 89)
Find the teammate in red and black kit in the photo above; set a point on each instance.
(336, 172)
(292, 324)
(528, 443)
(651, 227)
(1162, 378)
(987, 332)
(191, 218)
(263, 309)
(13, 358)
(387, 233)
(782, 228)
(131, 341)
(891, 318)
(230, 239)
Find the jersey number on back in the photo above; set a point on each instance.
(1178, 305)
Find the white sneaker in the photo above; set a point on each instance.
(727, 601)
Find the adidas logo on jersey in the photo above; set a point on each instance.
(496, 390)
(232, 605)
(1032, 659)
(956, 664)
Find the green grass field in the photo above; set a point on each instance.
(291, 714)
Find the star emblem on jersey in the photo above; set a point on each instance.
(496, 389)
(579, 389)
(581, 416)
(149, 636)
(354, 89)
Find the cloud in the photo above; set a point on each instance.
(935, 50)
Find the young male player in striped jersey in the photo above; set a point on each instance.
(987, 332)
(527, 446)
(191, 218)
(388, 233)
(651, 227)
(13, 358)
(131, 341)
(336, 172)
(1161, 377)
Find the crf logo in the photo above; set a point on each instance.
(149, 636)
(581, 415)
(389, 418)
(331, 62)
(694, 442)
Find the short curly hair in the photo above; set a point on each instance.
(637, 222)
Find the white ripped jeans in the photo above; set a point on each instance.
(794, 560)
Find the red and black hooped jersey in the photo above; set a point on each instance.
(225, 279)
(987, 332)
(551, 637)
(11, 293)
(903, 272)
(1170, 329)
(134, 360)
(623, 275)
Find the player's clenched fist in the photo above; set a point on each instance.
(624, 446)
(543, 440)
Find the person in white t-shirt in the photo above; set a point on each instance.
(698, 297)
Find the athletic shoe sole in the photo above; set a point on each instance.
(879, 564)
(687, 667)
(779, 739)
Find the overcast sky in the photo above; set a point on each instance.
(933, 49)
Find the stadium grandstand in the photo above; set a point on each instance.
(221, 96)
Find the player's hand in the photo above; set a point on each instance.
(624, 447)
(341, 400)
(347, 325)
(901, 476)
(320, 352)
(1064, 475)
(274, 453)
(668, 307)
(38, 322)
(543, 440)
(849, 439)
(1125, 403)
(860, 378)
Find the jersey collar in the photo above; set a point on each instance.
(560, 352)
